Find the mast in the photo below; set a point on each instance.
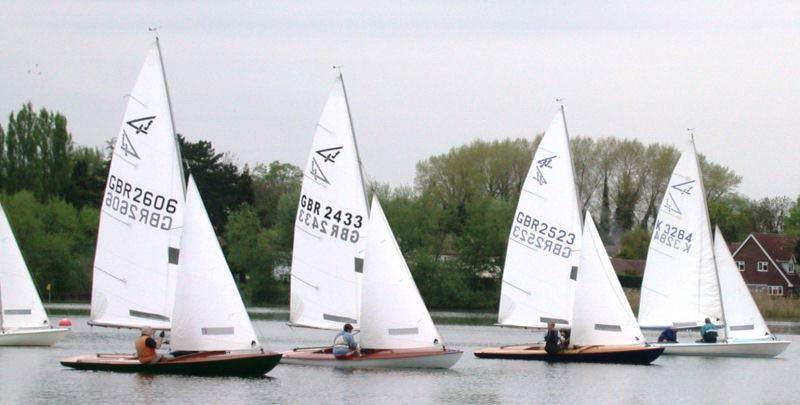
(708, 224)
(355, 142)
(571, 162)
(1, 311)
(172, 119)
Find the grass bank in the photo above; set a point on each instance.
(772, 308)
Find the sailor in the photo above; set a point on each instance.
(668, 336)
(709, 332)
(564, 336)
(344, 344)
(146, 346)
(551, 344)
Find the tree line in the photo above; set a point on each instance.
(452, 224)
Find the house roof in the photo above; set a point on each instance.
(779, 247)
(626, 266)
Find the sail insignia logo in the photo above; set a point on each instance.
(670, 204)
(330, 154)
(142, 125)
(127, 146)
(540, 164)
(317, 173)
(685, 188)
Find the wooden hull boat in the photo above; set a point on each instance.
(623, 354)
(375, 358)
(764, 349)
(202, 363)
(33, 337)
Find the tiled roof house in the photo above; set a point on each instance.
(768, 263)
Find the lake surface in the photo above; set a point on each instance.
(34, 375)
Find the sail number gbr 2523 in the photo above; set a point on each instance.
(139, 205)
(328, 220)
(540, 235)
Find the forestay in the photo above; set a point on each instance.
(209, 313)
(544, 244)
(742, 317)
(393, 315)
(602, 314)
(20, 306)
(142, 211)
(330, 228)
(679, 288)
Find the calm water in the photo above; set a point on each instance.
(33, 375)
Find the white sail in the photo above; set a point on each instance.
(142, 211)
(209, 313)
(602, 314)
(331, 224)
(20, 306)
(393, 315)
(742, 317)
(544, 243)
(679, 287)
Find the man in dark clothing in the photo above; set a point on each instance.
(668, 336)
(551, 345)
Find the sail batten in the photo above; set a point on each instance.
(544, 241)
(331, 224)
(142, 211)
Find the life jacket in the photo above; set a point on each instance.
(145, 354)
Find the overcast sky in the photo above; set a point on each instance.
(426, 76)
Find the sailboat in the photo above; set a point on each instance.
(396, 330)
(211, 330)
(23, 320)
(141, 216)
(604, 329)
(688, 277)
(545, 262)
(330, 231)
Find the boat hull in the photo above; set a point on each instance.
(766, 349)
(622, 354)
(202, 363)
(383, 358)
(33, 337)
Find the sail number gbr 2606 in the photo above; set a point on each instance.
(139, 205)
(540, 235)
(327, 220)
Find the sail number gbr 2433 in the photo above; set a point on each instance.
(139, 205)
(540, 235)
(316, 216)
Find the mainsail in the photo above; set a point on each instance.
(743, 320)
(680, 287)
(602, 314)
(331, 224)
(209, 313)
(544, 244)
(142, 211)
(393, 314)
(20, 306)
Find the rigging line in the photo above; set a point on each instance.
(136, 99)
(122, 280)
(305, 282)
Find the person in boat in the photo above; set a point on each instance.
(344, 344)
(551, 340)
(708, 332)
(146, 346)
(668, 336)
(564, 336)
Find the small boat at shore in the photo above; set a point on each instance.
(604, 329)
(689, 278)
(396, 329)
(23, 320)
(211, 330)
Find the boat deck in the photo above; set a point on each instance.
(623, 354)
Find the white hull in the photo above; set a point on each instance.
(767, 348)
(443, 360)
(32, 337)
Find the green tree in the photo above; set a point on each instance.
(792, 222)
(634, 244)
(270, 184)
